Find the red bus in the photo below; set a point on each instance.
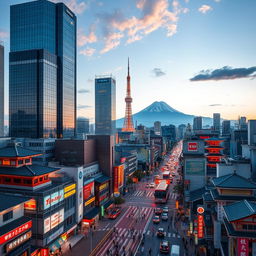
(161, 192)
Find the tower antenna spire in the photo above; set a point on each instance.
(128, 67)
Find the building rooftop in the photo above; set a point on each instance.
(239, 210)
(8, 201)
(233, 181)
(17, 151)
(217, 197)
(27, 170)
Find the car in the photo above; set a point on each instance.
(158, 211)
(114, 213)
(152, 185)
(147, 185)
(156, 220)
(160, 232)
(165, 209)
(164, 216)
(164, 246)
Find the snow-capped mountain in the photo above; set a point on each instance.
(161, 111)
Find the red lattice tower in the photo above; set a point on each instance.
(128, 123)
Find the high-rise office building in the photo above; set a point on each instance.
(157, 127)
(1, 89)
(105, 105)
(42, 86)
(216, 121)
(82, 127)
(197, 123)
(242, 123)
(252, 132)
(226, 127)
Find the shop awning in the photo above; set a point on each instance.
(107, 204)
(92, 213)
(102, 179)
(56, 245)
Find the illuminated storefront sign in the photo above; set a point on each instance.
(200, 210)
(70, 193)
(115, 179)
(103, 186)
(30, 205)
(53, 220)
(120, 176)
(242, 247)
(200, 226)
(20, 240)
(53, 199)
(88, 190)
(192, 146)
(89, 201)
(69, 188)
(15, 232)
(44, 252)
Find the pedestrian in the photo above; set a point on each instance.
(70, 247)
(168, 228)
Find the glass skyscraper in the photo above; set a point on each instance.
(42, 86)
(1, 89)
(105, 105)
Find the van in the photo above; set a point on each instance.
(175, 251)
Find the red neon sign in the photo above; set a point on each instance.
(200, 226)
(192, 146)
(242, 247)
(15, 232)
(44, 252)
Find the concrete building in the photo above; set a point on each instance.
(82, 127)
(44, 46)
(157, 128)
(1, 89)
(252, 132)
(216, 122)
(105, 105)
(238, 138)
(242, 123)
(197, 123)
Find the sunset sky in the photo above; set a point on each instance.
(199, 56)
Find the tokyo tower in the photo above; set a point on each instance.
(128, 123)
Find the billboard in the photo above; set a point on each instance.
(88, 190)
(53, 199)
(30, 205)
(118, 175)
(195, 167)
(53, 220)
(242, 247)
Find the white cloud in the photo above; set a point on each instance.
(112, 40)
(82, 39)
(87, 51)
(205, 8)
(76, 6)
(3, 34)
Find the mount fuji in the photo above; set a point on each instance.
(161, 111)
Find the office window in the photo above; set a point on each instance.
(8, 216)
(8, 180)
(17, 180)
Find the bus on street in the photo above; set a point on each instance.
(161, 192)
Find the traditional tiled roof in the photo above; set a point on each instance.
(217, 197)
(17, 151)
(239, 210)
(27, 170)
(207, 197)
(196, 194)
(233, 181)
(8, 201)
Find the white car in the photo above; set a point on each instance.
(165, 209)
(164, 216)
(152, 185)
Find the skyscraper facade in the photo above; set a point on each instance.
(157, 127)
(82, 127)
(42, 86)
(216, 122)
(1, 89)
(226, 130)
(105, 105)
(197, 123)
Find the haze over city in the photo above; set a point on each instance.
(197, 56)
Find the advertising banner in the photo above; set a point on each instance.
(54, 220)
(242, 247)
(195, 167)
(120, 175)
(17, 242)
(47, 224)
(88, 190)
(30, 205)
(53, 199)
(115, 179)
(15, 232)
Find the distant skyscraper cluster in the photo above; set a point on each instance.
(42, 70)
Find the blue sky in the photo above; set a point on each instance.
(169, 43)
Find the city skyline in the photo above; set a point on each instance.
(168, 43)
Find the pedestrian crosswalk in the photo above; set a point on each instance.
(168, 234)
(173, 196)
(143, 193)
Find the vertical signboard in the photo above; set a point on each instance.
(88, 190)
(200, 226)
(120, 175)
(192, 146)
(115, 182)
(242, 247)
